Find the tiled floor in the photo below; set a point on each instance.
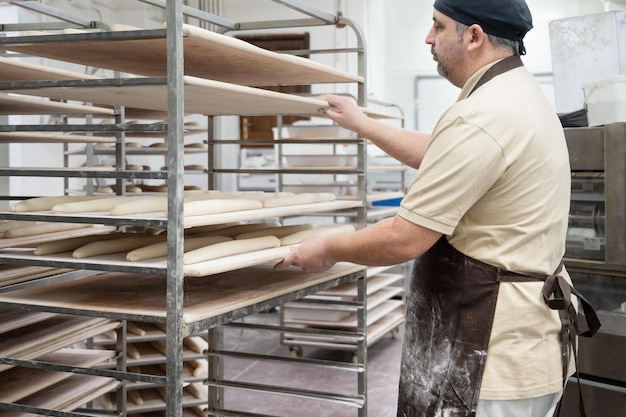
(383, 363)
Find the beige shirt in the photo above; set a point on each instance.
(496, 180)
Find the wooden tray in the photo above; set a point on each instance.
(18, 383)
(47, 336)
(116, 294)
(201, 96)
(23, 105)
(207, 55)
(69, 394)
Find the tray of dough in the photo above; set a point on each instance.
(142, 297)
(201, 220)
(159, 265)
(207, 55)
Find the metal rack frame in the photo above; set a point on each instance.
(176, 328)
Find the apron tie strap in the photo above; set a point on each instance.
(557, 294)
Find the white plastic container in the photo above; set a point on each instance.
(606, 100)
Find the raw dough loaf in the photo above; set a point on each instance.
(279, 232)
(233, 247)
(297, 199)
(318, 231)
(70, 244)
(12, 224)
(46, 203)
(214, 206)
(99, 204)
(140, 205)
(198, 145)
(43, 228)
(122, 244)
(159, 249)
(229, 229)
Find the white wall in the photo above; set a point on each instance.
(407, 57)
(397, 56)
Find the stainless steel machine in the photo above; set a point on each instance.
(596, 260)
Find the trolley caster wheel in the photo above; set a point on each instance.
(296, 351)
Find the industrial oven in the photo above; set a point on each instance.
(596, 260)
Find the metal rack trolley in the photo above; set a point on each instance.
(175, 295)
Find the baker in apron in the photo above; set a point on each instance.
(489, 308)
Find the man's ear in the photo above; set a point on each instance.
(476, 37)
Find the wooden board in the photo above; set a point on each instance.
(373, 315)
(15, 275)
(47, 336)
(12, 69)
(18, 383)
(201, 96)
(374, 283)
(14, 319)
(41, 137)
(69, 394)
(24, 105)
(116, 293)
(207, 55)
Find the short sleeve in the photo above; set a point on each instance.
(462, 162)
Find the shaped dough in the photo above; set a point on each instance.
(233, 247)
(318, 231)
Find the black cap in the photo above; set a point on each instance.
(508, 19)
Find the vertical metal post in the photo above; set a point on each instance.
(212, 156)
(120, 348)
(362, 343)
(175, 184)
(215, 338)
(120, 151)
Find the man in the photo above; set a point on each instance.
(491, 196)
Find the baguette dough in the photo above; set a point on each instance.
(99, 204)
(198, 145)
(12, 224)
(233, 247)
(279, 232)
(140, 205)
(159, 249)
(297, 199)
(318, 231)
(122, 244)
(46, 203)
(43, 228)
(214, 206)
(229, 230)
(69, 244)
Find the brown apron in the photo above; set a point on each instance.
(450, 308)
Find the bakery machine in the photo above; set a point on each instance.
(596, 259)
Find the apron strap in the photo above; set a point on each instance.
(557, 294)
(498, 68)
